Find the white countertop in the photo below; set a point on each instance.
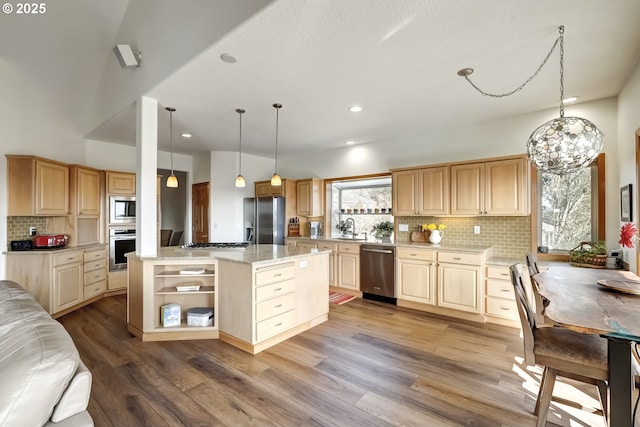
(254, 254)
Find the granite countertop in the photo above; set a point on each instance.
(427, 245)
(504, 261)
(40, 251)
(254, 254)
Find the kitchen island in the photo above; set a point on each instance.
(257, 297)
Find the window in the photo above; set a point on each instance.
(366, 201)
(571, 207)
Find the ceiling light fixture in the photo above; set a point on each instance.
(562, 145)
(186, 135)
(350, 142)
(355, 109)
(172, 181)
(275, 179)
(240, 182)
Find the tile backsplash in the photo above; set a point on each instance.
(18, 227)
(509, 236)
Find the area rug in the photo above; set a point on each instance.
(338, 298)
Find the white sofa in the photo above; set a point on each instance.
(43, 380)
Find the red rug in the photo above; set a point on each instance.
(338, 298)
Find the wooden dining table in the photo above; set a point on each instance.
(601, 301)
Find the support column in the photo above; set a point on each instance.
(146, 177)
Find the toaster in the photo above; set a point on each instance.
(50, 240)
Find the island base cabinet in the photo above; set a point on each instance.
(153, 284)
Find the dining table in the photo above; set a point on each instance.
(605, 302)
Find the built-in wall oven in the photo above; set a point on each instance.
(121, 241)
(122, 210)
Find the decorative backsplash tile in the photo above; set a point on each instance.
(18, 227)
(510, 236)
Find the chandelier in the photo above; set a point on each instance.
(562, 145)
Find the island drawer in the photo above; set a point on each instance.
(275, 306)
(275, 289)
(275, 325)
(500, 307)
(273, 275)
(419, 254)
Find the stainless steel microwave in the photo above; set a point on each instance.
(122, 210)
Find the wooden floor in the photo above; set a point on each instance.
(371, 364)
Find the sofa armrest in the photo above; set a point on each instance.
(75, 397)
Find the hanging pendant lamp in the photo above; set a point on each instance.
(275, 179)
(172, 180)
(240, 182)
(562, 145)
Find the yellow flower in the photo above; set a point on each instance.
(433, 226)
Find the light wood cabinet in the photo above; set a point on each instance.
(460, 281)
(415, 274)
(85, 186)
(152, 284)
(121, 183)
(422, 191)
(36, 186)
(309, 197)
(499, 187)
(333, 263)
(265, 189)
(500, 297)
(60, 280)
(349, 266)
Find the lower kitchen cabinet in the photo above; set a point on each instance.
(415, 274)
(460, 281)
(349, 266)
(333, 263)
(61, 280)
(500, 297)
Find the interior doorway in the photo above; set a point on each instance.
(173, 208)
(200, 212)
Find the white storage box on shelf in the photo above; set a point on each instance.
(200, 316)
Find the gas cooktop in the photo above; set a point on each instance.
(227, 246)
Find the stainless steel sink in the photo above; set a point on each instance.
(360, 239)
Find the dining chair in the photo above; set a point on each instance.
(165, 236)
(175, 238)
(537, 300)
(561, 352)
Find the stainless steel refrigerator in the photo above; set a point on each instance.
(264, 220)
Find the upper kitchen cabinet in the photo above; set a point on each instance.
(85, 187)
(121, 183)
(37, 186)
(265, 189)
(422, 191)
(498, 187)
(309, 197)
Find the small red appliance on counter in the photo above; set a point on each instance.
(50, 241)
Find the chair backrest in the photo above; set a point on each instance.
(527, 315)
(165, 236)
(175, 238)
(532, 263)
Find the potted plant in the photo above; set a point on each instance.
(383, 229)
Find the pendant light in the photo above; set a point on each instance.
(172, 181)
(561, 145)
(275, 179)
(240, 182)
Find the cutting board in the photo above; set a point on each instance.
(418, 236)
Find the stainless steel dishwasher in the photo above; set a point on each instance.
(378, 272)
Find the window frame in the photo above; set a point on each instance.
(600, 205)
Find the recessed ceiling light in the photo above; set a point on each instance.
(186, 135)
(350, 142)
(226, 57)
(570, 99)
(355, 109)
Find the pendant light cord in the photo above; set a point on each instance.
(277, 107)
(240, 111)
(171, 110)
(466, 72)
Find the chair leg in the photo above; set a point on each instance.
(603, 393)
(544, 395)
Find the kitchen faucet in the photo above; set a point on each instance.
(353, 232)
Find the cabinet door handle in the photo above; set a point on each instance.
(277, 275)
(504, 274)
(505, 290)
(277, 289)
(277, 306)
(504, 308)
(457, 258)
(278, 324)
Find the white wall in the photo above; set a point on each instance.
(628, 123)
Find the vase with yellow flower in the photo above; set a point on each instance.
(436, 231)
